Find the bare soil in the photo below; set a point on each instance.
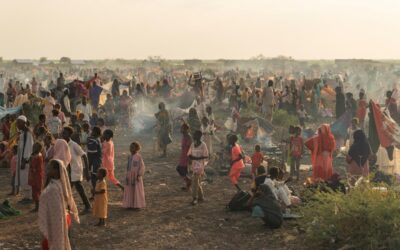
(168, 222)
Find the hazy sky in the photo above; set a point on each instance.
(208, 29)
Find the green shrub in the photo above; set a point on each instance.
(283, 119)
(361, 219)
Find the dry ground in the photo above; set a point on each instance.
(168, 222)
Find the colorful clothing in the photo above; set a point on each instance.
(134, 196)
(322, 147)
(100, 200)
(36, 175)
(256, 160)
(237, 167)
(108, 160)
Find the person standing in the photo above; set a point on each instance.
(198, 153)
(79, 162)
(25, 145)
(164, 133)
(134, 197)
(340, 102)
(322, 147)
(237, 163)
(358, 156)
(94, 152)
(182, 167)
(362, 109)
(65, 103)
(2, 90)
(60, 82)
(108, 157)
(268, 101)
(85, 108)
(56, 198)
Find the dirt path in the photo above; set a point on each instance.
(168, 222)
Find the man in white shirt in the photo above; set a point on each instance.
(85, 108)
(76, 166)
(54, 124)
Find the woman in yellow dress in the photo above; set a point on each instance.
(100, 197)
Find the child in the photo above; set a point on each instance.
(259, 179)
(296, 152)
(94, 153)
(280, 189)
(85, 134)
(302, 116)
(61, 114)
(182, 167)
(108, 157)
(13, 169)
(36, 173)
(134, 189)
(101, 197)
(256, 160)
(198, 154)
(54, 124)
(101, 124)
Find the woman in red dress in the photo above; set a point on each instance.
(322, 147)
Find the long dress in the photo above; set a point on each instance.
(52, 216)
(133, 189)
(108, 160)
(100, 200)
(322, 147)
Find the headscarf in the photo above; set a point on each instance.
(54, 200)
(360, 150)
(324, 141)
(62, 152)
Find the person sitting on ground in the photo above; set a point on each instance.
(280, 189)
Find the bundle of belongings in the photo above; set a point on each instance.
(6, 210)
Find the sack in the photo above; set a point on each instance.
(239, 201)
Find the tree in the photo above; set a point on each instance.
(43, 59)
(65, 60)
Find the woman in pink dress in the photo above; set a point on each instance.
(322, 147)
(134, 189)
(108, 157)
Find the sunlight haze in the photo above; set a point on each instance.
(206, 29)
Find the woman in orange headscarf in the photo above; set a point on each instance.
(322, 147)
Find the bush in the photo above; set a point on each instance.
(362, 219)
(283, 119)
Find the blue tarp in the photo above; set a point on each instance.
(9, 111)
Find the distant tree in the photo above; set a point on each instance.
(43, 59)
(65, 60)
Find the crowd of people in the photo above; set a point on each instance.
(72, 140)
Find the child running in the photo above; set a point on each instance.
(36, 173)
(108, 157)
(100, 197)
(198, 153)
(182, 167)
(134, 197)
